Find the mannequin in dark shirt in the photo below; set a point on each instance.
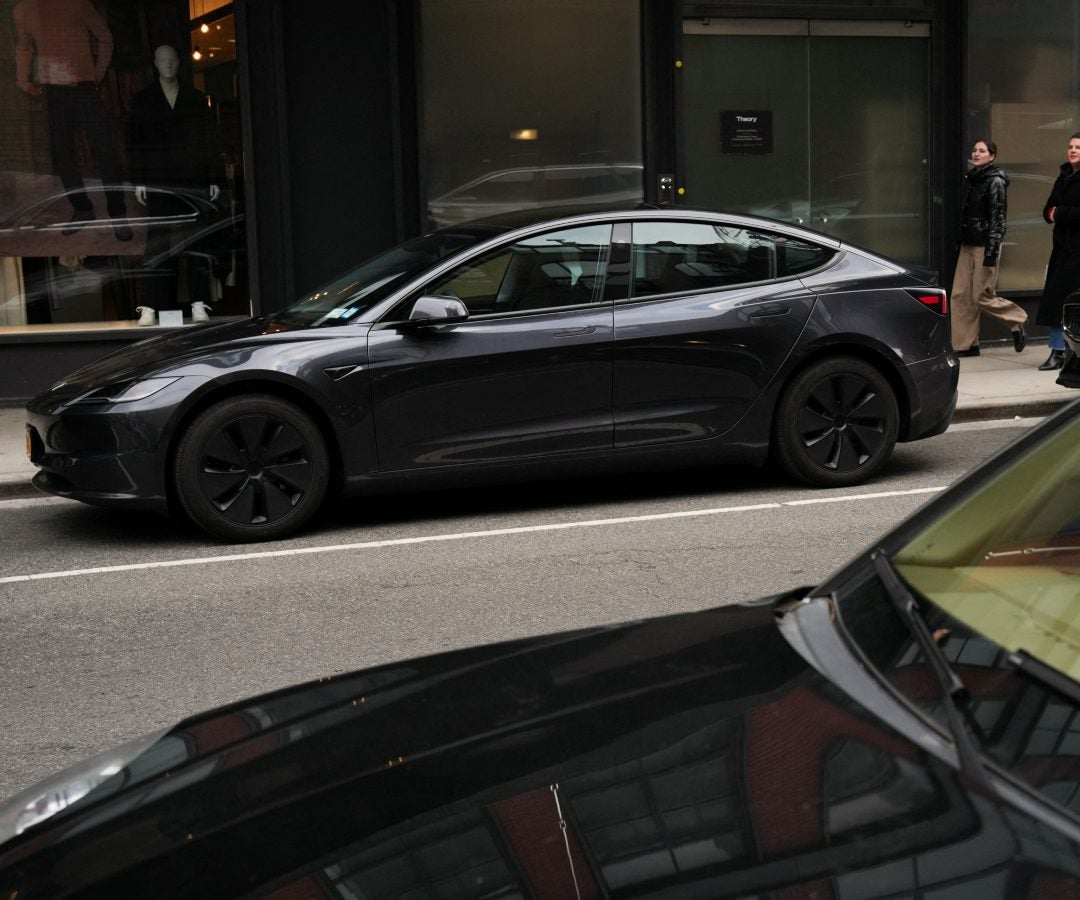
(174, 147)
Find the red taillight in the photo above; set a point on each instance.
(934, 298)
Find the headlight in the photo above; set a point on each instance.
(57, 792)
(126, 391)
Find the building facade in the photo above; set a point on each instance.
(162, 160)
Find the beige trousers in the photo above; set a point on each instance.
(973, 292)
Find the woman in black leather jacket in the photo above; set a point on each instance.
(982, 228)
(1062, 210)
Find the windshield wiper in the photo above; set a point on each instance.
(1046, 675)
(951, 686)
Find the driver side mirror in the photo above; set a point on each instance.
(432, 310)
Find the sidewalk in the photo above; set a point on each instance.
(1000, 384)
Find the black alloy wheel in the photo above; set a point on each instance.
(836, 423)
(251, 469)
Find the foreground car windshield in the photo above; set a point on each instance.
(361, 288)
(1006, 562)
(996, 580)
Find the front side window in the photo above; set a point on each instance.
(671, 257)
(549, 271)
(121, 196)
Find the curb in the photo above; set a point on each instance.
(986, 412)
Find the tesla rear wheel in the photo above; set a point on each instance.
(251, 469)
(836, 423)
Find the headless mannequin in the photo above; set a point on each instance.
(167, 63)
(174, 151)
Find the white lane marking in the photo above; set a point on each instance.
(460, 536)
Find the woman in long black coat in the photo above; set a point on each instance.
(1062, 210)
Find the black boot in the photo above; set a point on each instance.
(1055, 360)
(1019, 337)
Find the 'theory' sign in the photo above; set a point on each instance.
(746, 131)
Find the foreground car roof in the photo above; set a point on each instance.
(317, 769)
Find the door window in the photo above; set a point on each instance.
(549, 271)
(671, 257)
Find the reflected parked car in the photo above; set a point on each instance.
(905, 729)
(43, 227)
(537, 187)
(89, 275)
(500, 350)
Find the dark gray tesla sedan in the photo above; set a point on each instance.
(510, 349)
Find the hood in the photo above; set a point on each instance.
(178, 347)
(691, 755)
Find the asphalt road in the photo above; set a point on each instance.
(116, 624)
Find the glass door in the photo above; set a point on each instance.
(822, 123)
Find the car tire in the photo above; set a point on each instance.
(836, 423)
(251, 468)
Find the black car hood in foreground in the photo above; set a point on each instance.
(695, 755)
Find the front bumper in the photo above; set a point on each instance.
(109, 455)
(106, 467)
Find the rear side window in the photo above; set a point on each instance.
(672, 257)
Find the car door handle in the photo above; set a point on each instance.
(574, 332)
(770, 311)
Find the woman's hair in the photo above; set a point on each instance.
(990, 145)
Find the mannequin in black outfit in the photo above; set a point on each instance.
(173, 145)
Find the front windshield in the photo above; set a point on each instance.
(1006, 562)
(359, 289)
(996, 573)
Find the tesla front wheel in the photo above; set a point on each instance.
(836, 423)
(251, 469)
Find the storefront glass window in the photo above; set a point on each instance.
(777, 126)
(529, 103)
(120, 160)
(1022, 63)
